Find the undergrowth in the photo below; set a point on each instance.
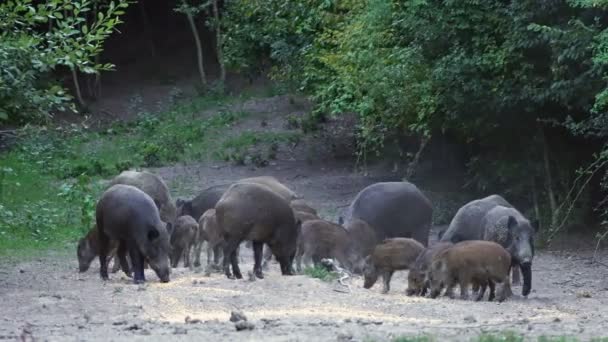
(320, 272)
(51, 179)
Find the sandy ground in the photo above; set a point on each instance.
(45, 298)
(48, 299)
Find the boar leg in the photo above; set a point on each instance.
(137, 259)
(492, 290)
(258, 251)
(449, 291)
(104, 245)
(121, 255)
(267, 257)
(299, 254)
(386, 278)
(175, 255)
(234, 258)
(210, 249)
(482, 290)
(230, 257)
(187, 251)
(516, 276)
(198, 247)
(218, 251)
(464, 290)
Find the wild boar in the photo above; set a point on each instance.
(300, 205)
(183, 238)
(389, 256)
(249, 211)
(155, 187)
(320, 239)
(475, 262)
(130, 216)
(209, 231)
(417, 280)
(88, 249)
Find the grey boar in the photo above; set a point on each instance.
(155, 187)
(417, 280)
(130, 216)
(205, 200)
(183, 238)
(389, 256)
(249, 211)
(393, 209)
(481, 263)
(301, 206)
(494, 219)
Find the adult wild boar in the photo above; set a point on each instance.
(155, 187)
(301, 206)
(391, 255)
(183, 238)
(484, 263)
(393, 209)
(208, 198)
(249, 211)
(130, 216)
(494, 219)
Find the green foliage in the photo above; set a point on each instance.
(36, 39)
(320, 272)
(503, 79)
(50, 181)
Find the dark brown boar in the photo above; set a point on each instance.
(249, 211)
(130, 216)
(210, 232)
(273, 184)
(183, 238)
(476, 262)
(299, 215)
(88, 249)
(389, 256)
(320, 239)
(417, 281)
(363, 240)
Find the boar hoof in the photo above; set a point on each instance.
(138, 281)
(238, 275)
(259, 274)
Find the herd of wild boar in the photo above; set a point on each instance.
(386, 228)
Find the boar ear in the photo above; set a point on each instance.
(511, 222)
(179, 202)
(341, 220)
(169, 227)
(153, 234)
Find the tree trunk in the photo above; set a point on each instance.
(535, 203)
(77, 87)
(218, 42)
(199, 49)
(146, 23)
(414, 163)
(549, 182)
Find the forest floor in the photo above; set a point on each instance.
(43, 297)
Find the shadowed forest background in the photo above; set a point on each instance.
(482, 97)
